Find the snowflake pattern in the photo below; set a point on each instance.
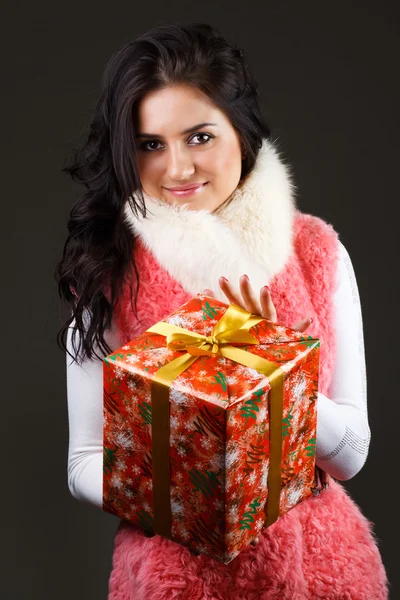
(252, 477)
(259, 524)
(177, 397)
(116, 481)
(219, 432)
(299, 387)
(119, 373)
(176, 507)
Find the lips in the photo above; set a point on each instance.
(186, 188)
(189, 190)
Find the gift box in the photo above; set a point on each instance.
(210, 426)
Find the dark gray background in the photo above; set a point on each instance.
(328, 74)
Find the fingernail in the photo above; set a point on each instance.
(311, 320)
(266, 288)
(225, 279)
(244, 275)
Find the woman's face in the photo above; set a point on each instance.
(184, 140)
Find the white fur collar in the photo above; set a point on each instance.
(252, 232)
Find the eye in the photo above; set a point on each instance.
(207, 135)
(145, 147)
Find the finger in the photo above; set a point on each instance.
(255, 541)
(267, 306)
(303, 324)
(230, 292)
(251, 303)
(208, 292)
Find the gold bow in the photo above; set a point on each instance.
(232, 328)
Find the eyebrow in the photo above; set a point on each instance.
(190, 130)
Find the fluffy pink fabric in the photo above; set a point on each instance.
(321, 549)
(324, 548)
(158, 296)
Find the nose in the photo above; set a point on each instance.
(180, 164)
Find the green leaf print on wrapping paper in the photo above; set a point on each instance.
(220, 379)
(109, 459)
(209, 312)
(114, 357)
(250, 407)
(311, 446)
(145, 412)
(145, 520)
(286, 424)
(205, 483)
(248, 517)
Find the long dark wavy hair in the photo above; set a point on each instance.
(99, 247)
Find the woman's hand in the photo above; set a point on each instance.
(248, 300)
(264, 307)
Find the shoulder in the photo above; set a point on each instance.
(317, 246)
(310, 228)
(314, 236)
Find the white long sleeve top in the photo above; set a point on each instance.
(343, 433)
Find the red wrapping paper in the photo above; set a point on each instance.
(219, 433)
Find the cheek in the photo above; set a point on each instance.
(229, 165)
(148, 172)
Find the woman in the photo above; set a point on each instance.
(179, 109)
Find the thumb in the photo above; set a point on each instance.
(208, 292)
(303, 324)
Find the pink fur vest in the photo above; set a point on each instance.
(324, 548)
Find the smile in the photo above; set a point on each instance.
(183, 193)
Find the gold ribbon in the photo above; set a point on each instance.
(232, 328)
